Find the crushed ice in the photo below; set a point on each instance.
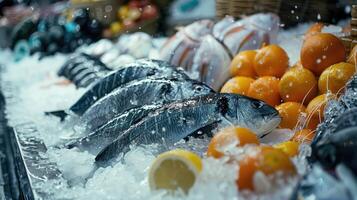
(31, 87)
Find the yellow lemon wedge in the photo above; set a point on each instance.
(289, 147)
(173, 170)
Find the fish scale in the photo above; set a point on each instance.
(143, 92)
(121, 77)
(182, 118)
(98, 139)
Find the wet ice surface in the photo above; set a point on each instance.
(31, 88)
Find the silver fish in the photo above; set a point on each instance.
(104, 135)
(178, 120)
(136, 94)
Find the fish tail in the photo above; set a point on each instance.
(58, 113)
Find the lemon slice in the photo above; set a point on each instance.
(176, 169)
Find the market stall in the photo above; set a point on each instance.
(105, 100)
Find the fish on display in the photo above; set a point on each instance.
(338, 114)
(340, 148)
(211, 61)
(71, 63)
(73, 67)
(139, 93)
(135, 71)
(205, 49)
(104, 135)
(180, 119)
(248, 33)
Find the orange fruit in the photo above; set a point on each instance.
(242, 64)
(315, 111)
(313, 121)
(314, 29)
(266, 89)
(320, 51)
(237, 85)
(271, 60)
(298, 85)
(228, 136)
(317, 105)
(335, 77)
(289, 147)
(268, 160)
(303, 136)
(352, 58)
(290, 113)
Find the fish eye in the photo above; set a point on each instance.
(198, 88)
(257, 104)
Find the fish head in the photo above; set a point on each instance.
(251, 113)
(186, 89)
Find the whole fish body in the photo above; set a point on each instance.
(177, 120)
(139, 93)
(71, 63)
(82, 68)
(212, 62)
(135, 71)
(340, 148)
(104, 135)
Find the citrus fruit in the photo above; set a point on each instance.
(173, 170)
(290, 113)
(303, 136)
(314, 29)
(266, 89)
(243, 64)
(315, 111)
(320, 51)
(222, 142)
(237, 85)
(298, 85)
(335, 77)
(289, 147)
(317, 105)
(268, 160)
(271, 60)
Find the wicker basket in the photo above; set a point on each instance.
(291, 11)
(350, 40)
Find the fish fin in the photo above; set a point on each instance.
(58, 113)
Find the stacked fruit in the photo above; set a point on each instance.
(299, 92)
(179, 169)
(132, 15)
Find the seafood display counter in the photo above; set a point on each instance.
(220, 110)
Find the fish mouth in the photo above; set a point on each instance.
(269, 125)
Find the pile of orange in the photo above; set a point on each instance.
(299, 92)
(265, 159)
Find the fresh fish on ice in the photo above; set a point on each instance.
(180, 49)
(104, 135)
(211, 62)
(134, 71)
(81, 66)
(339, 148)
(249, 33)
(177, 120)
(139, 93)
